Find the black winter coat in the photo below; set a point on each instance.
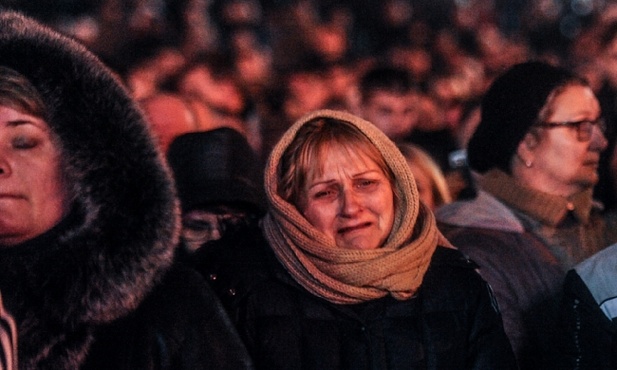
(98, 290)
(180, 325)
(589, 338)
(452, 323)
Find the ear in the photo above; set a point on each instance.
(525, 149)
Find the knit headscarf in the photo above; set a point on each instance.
(346, 276)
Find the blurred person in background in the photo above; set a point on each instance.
(299, 88)
(146, 66)
(606, 65)
(211, 79)
(169, 116)
(536, 152)
(218, 176)
(589, 315)
(390, 100)
(432, 186)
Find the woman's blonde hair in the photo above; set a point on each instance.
(418, 157)
(303, 158)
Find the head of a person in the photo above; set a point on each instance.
(389, 99)
(169, 116)
(33, 197)
(608, 52)
(218, 182)
(75, 151)
(430, 180)
(543, 125)
(306, 86)
(211, 78)
(340, 182)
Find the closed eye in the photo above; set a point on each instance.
(22, 142)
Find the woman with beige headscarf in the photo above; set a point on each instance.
(359, 276)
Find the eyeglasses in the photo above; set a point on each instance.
(584, 128)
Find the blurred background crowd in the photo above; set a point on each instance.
(258, 65)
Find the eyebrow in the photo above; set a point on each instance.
(354, 176)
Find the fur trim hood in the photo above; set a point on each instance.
(99, 263)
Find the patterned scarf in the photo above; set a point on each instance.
(345, 276)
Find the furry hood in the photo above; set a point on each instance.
(120, 238)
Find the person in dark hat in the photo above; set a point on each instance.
(89, 222)
(535, 153)
(218, 178)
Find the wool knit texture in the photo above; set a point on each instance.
(547, 208)
(572, 228)
(344, 276)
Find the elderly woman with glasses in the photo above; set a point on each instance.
(536, 153)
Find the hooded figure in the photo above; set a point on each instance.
(98, 290)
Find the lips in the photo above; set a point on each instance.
(592, 163)
(347, 229)
(6, 196)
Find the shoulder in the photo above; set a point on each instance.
(179, 297)
(484, 211)
(594, 279)
(233, 265)
(444, 257)
(451, 273)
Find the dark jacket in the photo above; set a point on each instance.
(231, 265)
(180, 325)
(524, 274)
(98, 290)
(452, 323)
(588, 315)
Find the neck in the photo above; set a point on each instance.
(531, 177)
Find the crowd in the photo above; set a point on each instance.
(309, 184)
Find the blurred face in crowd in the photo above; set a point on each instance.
(350, 199)
(565, 157)
(394, 114)
(220, 96)
(200, 226)
(424, 185)
(32, 196)
(608, 60)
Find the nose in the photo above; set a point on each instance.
(4, 166)
(598, 140)
(350, 203)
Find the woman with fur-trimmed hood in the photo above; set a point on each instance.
(89, 221)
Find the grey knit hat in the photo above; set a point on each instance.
(509, 108)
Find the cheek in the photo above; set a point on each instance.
(320, 216)
(383, 207)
